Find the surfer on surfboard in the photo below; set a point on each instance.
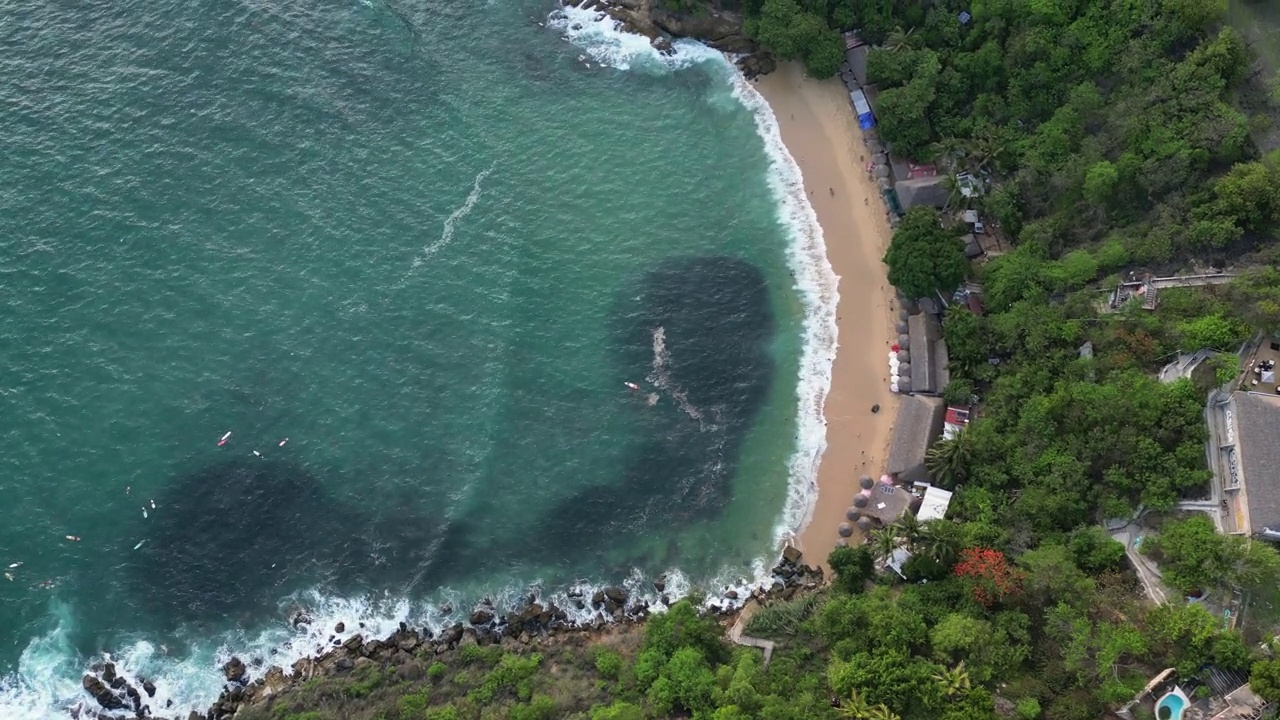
(224, 439)
(632, 386)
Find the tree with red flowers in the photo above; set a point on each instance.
(990, 575)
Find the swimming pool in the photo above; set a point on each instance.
(1170, 706)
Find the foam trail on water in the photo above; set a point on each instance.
(661, 379)
(451, 222)
(600, 37)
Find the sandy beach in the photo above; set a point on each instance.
(821, 132)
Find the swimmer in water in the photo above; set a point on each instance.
(282, 442)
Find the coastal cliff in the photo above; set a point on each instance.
(341, 677)
(717, 27)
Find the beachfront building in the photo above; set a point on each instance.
(1245, 427)
(920, 422)
(934, 504)
(929, 191)
(928, 353)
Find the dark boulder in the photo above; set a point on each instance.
(235, 671)
(616, 595)
(340, 627)
(101, 693)
(791, 554)
(109, 673)
(757, 64)
(149, 688)
(481, 616)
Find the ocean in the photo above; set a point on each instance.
(405, 258)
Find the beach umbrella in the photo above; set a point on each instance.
(851, 514)
(904, 385)
(866, 482)
(903, 314)
(904, 368)
(864, 524)
(904, 340)
(882, 171)
(845, 530)
(894, 362)
(894, 378)
(904, 356)
(860, 502)
(879, 158)
(893, 387)
(901, 327)
(841, 542)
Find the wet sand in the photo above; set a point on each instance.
(821, 132)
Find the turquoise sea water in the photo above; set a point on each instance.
(427, 243)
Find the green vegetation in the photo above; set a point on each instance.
(923, 257)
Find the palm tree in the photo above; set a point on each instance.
(880, 712)
(948, 460)
(954, 681)
(940, 540)
(907, 528)
(855, 707)
(899, 40)
(883, 541)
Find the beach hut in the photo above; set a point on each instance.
(866, 120)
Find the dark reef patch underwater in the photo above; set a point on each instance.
(228, 535)
(699, 334)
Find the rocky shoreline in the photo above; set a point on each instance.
(406, 653)
(719, 29)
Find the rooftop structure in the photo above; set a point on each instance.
(955, 419)
(929, 191)
(1252, 449)
(935, 504)
(928, 354)
(920, 421)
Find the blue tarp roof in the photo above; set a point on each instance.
(866, 119)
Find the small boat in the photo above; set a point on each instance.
(73, 538)
(15, 565)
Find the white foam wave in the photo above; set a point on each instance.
(601, 38)
(818, 285)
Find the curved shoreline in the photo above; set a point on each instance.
(818, 468)
(821, 134)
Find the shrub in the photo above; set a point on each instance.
(511, 673)
(437, 670)
(617, 711)
(540, 707)
(414, 706)
(852, 566)
(609, 664)
(1028, 708)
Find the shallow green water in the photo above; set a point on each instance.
(425, 242)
